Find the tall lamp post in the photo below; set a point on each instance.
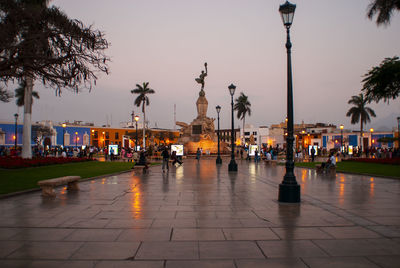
(289, 190)
(136, 119)
(76, 139)
(341, 138)
(16, 133)
(219, 160)
(371, 130)
(64, 126)
(232, 165)
(104, 139)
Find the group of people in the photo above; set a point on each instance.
(166, 156)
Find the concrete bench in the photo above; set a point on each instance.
(48, 185)
(320, 170)
(271, 162)
(140, 167)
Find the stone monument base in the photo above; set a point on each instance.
(208, 146)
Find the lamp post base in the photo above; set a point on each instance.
(232, 166)
(219, 160)
(289, 193)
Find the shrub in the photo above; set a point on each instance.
(18, 162)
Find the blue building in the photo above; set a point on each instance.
(70, 135)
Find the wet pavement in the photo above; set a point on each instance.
(200, 215)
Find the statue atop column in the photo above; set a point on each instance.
(201, 79)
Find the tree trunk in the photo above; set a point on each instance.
(144, 126)
(244, 140)
(27, 128)
(361, 137)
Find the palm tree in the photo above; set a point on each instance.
(384, 9)
(143, 100)
(360, 113)
(20, 94)
(242, 106)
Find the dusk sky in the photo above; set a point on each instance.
(167, 42)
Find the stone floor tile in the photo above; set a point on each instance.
(168, 251)
(358, 247)
(249, 234)
(340, 262)
(94, 235)
(46, 250)
(218, 223)
(229, 250)
(180, 234)
(350, 232)
(175, 223)
(6, 233)
(271, 263)
(160, 234)
(130, 264)
(296, 233)
(290, 248)
(131, 223)
(46, 264)
(201, 264)
(42, 234)
(7, 247)
(106, 251)
(386, 261)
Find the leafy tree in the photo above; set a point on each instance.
(383, 9)
(41, 43)
(20, 94)
(39, 132)
(242, 106)
(383, 81)
(143, 100)
(5, 95)
(360, 113)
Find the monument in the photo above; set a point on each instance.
(200, 133)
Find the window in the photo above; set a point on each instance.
(247, 133)
(254, 132)
(116, 135)
(107, 135)
(96, 134)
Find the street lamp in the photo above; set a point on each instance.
(371, 130)
(289, 190)
(232, 165)
(341, 138)
(64, 125)
(76, 139)
(16, 125)
(136, 119)
(104, 139)
(219, 160)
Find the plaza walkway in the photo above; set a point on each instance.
(199, 215)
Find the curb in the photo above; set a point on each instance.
(363, 174)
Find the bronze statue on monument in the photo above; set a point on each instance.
(201, 79)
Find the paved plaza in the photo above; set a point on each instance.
(199, 215)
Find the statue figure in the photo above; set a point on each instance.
(201, 78)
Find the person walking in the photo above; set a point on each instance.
(165, 157)
(198, 154)
(175, 158)
(312, 154)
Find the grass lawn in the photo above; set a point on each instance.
(26, 178)
(361, 168)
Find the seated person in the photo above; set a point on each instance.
(142, 160)
(330, 163)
